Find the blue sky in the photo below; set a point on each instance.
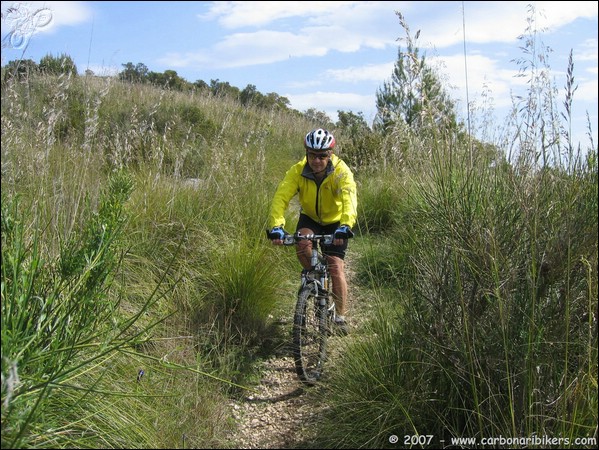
(324, 55)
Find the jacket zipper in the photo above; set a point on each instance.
(318, 203)
(318, 186)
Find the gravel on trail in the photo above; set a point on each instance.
(281, 411)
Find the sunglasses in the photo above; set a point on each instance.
(321, 156)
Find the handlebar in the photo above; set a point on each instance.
(292, 239)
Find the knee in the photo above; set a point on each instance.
(336, 266)
(304, 246)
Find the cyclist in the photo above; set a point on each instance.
(327, 194)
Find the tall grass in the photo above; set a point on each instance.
(493, 328)
(136, 286)
(138, 289)
(57, 319)
(492, 331)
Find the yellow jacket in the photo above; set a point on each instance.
(335, 200)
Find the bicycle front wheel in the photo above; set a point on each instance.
(309, 335)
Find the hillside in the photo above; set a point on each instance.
(142, 306)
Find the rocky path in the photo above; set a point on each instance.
(281, 412)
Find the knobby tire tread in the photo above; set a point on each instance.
(309, 343)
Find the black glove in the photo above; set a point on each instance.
(276, 233)
(343, 232)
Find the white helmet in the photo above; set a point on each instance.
(319, 139)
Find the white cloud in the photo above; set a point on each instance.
(269, 46)
(239, 14)
(247, 49)
(486, 22)
(481, 22)
(485, 75)
(331, 102)
(266, 46)
(301, 29)
(557, 14)
(370, 72)
(318, 29)
(586, 90)
(587, 51)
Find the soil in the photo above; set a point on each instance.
(281, 412)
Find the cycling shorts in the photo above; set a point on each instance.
(316, 228)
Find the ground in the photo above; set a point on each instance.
(280, 412)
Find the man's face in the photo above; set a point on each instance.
(318, 160)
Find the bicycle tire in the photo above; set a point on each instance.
(310, 335)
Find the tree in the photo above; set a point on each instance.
(173, 80)
(223, 89)
(272, 100)
(20, 69)
(248, 95)
(319, 117)
(355, 123)
(201, 85)
(415, 94)
(58, 65)
(360, 143)
(134, 74)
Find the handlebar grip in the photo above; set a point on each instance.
(289, 239)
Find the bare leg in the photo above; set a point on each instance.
(337, 269)
(304, 249)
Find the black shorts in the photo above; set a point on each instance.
(331, 250)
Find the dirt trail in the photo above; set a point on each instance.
(280, 414)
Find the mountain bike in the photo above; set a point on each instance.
(314, 310)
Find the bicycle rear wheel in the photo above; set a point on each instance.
(309, 335)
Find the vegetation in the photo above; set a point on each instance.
(415, 95)
(490, 255)
(138, 290)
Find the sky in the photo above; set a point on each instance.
(329, 56)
